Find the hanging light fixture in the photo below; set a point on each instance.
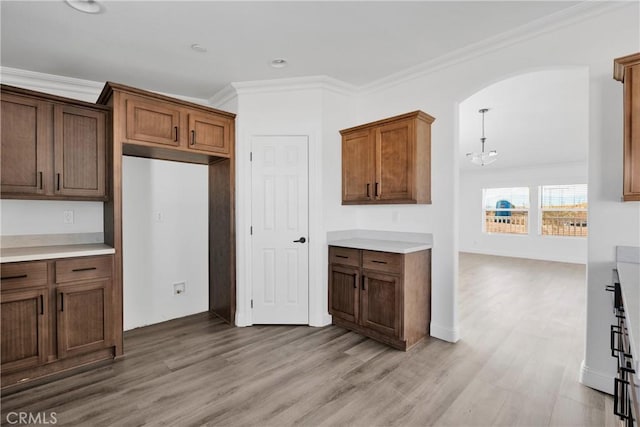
(484, 157)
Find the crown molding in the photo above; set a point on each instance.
(223, 96)
(569, 16)
(283, 85)
(50, 82)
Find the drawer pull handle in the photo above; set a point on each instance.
(21, 276)
(84, 269)
(368, 193)
(379, 262)
(58, 181)
(175, 135)
(41, 305)
(377, 192)
(61, 302)
(41, 182)
(363, 287)
(193, 137)
(342, 256)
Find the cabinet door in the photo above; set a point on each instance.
(380, 301)
(632, 133)
(343, 292)
(24, 328)
(208, 132)
(83, 317)
(395, 161)
(26, 140)
(358, 178)
(80, 151)
(148, 121)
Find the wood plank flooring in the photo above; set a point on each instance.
(517, 364)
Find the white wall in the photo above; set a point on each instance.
(27, 217)
(165, 240)
(592, 41)
(533, 245)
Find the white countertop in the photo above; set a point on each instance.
(629, 275)
(36, 253)
(384, 241)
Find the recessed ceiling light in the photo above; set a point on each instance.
(198, 48)
(86, 6)
(279, 63)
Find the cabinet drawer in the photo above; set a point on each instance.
(24, 274)
(71, 270)
(382, 261)
(344, 256)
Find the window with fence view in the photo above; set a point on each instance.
(563, 210)
(506, 210)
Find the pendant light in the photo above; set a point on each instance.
(483, 158)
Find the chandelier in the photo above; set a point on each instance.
(484, 157)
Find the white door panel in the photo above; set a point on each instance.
(280, 212)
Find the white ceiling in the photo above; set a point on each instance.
(147, 44)
(533, 119)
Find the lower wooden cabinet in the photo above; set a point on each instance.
(385, 296)
(83, 317)
(56, 315)
(24, 328)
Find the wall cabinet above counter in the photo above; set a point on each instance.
(52, 147)
(388, 161)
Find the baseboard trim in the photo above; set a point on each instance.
(595, 379)
(444, 333)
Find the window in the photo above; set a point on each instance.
(563, 210)
(506, 210)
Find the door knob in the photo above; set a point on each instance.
(300, 240)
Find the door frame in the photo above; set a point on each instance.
(318, 255)
(249, 247)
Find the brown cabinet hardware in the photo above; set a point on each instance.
(84, 269)
(21, 276)
(193, 137)
(175, 130)
(41, 180)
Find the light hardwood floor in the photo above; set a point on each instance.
(522, 327)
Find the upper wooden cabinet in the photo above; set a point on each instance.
(26, 144)
(152, 122)
(161, 127)
(52, 147)
(388, 161)
(80, 151)
(627, 70)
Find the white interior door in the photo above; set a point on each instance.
(280, 225)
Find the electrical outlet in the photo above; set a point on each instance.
(179, 288)
(68, 217)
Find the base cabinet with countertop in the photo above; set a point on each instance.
(56, 316)
(385, 296)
